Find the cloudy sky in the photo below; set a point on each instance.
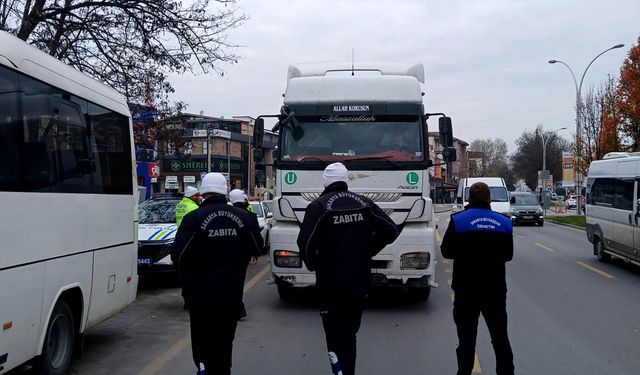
(485, 60)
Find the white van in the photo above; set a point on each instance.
(613, 210)
(499, 194)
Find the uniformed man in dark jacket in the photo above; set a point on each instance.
(340, 234)
(480, 242)
(212, 249)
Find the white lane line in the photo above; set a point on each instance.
(543, 247)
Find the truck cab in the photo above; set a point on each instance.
(371, 118)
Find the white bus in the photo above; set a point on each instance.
(68, 222)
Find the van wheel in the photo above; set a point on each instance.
(598, 249)
(285, 292)
(541, 223)
(57, 349)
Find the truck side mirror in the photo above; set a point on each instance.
(512, 200)
(459, 200)
(258, 132)
(449, 154)
(446, 131)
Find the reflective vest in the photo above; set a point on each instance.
(185, 206)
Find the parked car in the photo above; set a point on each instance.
(156, 232)
(525, 208)
(571, 202)
(263, 221)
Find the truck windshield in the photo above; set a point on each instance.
(394, 138)
(498, 194)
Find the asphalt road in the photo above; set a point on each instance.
(568, 314)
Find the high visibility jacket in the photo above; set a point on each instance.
(185, 206)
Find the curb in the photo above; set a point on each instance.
(566, 225)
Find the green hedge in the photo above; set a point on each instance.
(576, 220)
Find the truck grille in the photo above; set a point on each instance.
(376, 197)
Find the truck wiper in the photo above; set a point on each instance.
(302, 159)
(381, 158)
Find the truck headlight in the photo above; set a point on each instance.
(287, 259)
(415, 261)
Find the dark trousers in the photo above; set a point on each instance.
(341, 317)
(212, 332)
(466, 311)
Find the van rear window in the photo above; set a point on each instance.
(498, 194)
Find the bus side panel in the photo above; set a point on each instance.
(112, 282)
(58, 279)
(21, 306)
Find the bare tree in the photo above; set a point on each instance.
(494, 156)
(131, 45)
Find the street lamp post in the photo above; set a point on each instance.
(543, 188)
(578, 87)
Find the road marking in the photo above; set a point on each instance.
(254, 280)
(447, 270)
(543, 247)
(453, 296)
(445, 261)
(449, 281)
(438, 238)
(599, 272)
(476, 365)
(519, 236)
(168, 356)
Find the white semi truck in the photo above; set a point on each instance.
(371, 118)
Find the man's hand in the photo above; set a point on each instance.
(254, 260)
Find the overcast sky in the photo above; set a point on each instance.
(485, 60)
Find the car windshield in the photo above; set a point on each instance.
(498, 194)
(525, 200)
(158, 212)
(257, 209)
(329, 138)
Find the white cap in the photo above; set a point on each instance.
(213, 183)
(333, 173)
(190, 191)
(236, 195)
(245, 197)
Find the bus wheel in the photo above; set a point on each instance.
(599, 250)
(58, 343)
(420, 294)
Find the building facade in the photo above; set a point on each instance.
(200, 144)
(445, 177)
